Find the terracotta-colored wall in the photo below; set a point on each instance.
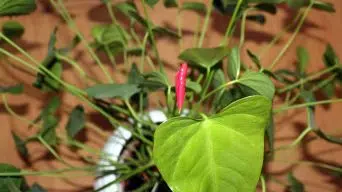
(320, 28)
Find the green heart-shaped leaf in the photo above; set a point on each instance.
(204, 57)
(257, 83)
(220, 153)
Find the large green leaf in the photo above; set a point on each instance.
(8, 183)
(222, 152)
(17, 7)
(204, 57)
(234, 63)
(15, 90)
(76, 121)
(257, 83)
(13, 29)
(123, 91)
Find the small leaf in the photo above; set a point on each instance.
(130, 10)
(134, 76)
(6, 181)
(194, 86)
(330, 58)
(324, 6)
(297, 4)
(17, 7)
(204, 57)
(295, 184)
(329, 90)
(234, 63)
(15, 90)
(194, 6)
(259, 18)
(13, 29)
(158, 77)
(164, 31)
(201, 153)
(303, 59)
(108, 34)
(267, 7)
(37, 188)
(170, 3)
(151, 3)
(20, 146)
(257, 83)
(254, 58)
(48, 132)
(103, 91)
(76, 121)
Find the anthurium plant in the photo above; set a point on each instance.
(219, 107)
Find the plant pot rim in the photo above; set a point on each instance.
(113, 148)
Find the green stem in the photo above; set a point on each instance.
(110, 56)
(243, 27)
(263, 183)
(53, 152)
(206, 23)
(110, 11)
(278, 36)
(301, 22)
(197, 31)
(307, 79)
(150, 31)
(281, 109)
(65, 14)
(135, 115)
(296, 141)
(142, 58)
(231, 23)
(46, 173)
(127, 176)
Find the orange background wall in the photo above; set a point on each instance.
(320, 28)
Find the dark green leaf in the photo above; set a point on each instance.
(108, 34)
(329, 90)
(130, 10)
(20, 146)
(52, 106)
(48, 133)
(151, 3)
(13, 29)
(158, 77)
(217, 81)
(199, 152)
(303, 59)
(134, 76)
(324, 6)
(234, 63)
(37, 188)
(228, 97)
(295, 184)
(103, 91)
(194, 86)
(6, 183)
(330, 58)
(297, 4)
(257, 83)
(267, 7)
(194, 6)
(15, 90)
(254, 58)
(76, 121)
(17, 7)
(259, 18)
(204, 57)
(44, 81)
(170, 3)
(164, 31)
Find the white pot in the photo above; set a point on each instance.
(113, 148)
